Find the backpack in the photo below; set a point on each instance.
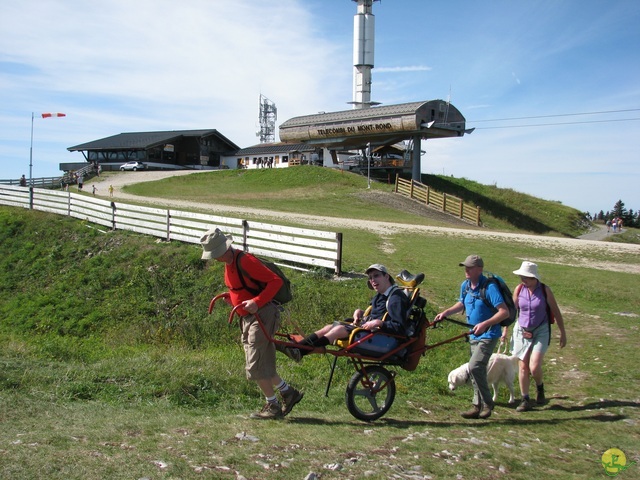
(550, 316)
(506, 295)
(283, 296)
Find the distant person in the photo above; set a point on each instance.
(532, 334)
(80, 182)
(111, 190)
(608, 226)
(259, 350)
(93, 188)
(23, 181)
(486, 331)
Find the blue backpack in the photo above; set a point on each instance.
(506, 295)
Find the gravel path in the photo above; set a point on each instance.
(588, 242)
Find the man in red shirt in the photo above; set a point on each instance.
(260, 352)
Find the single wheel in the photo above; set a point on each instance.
(121, 169)
(135, 169)
(370, 393)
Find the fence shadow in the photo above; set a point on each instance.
(494, 208)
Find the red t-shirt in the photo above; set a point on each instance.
(254, 271)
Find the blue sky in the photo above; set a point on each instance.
(120, 66)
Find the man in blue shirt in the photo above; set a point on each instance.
(486, 331)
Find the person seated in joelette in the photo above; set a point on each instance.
(389, 309)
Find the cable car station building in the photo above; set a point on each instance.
(328, 139)
(197, 149)
(377, 128)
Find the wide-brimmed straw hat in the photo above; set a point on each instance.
(528, 269)
(215, 244)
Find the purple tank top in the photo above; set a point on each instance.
(533, 307)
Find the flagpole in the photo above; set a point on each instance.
(31, 154)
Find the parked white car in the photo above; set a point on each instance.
(133, 166)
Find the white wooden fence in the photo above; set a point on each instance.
(298, 248)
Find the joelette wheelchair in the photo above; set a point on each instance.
(371, 390)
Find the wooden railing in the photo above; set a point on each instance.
(297, 248)
(42, 182)
(442, 201)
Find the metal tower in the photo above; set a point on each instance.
(363, 43)
(267, 118)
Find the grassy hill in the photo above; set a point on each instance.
(110, 366)
(330, 192)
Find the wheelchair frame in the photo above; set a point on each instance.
(371, 390)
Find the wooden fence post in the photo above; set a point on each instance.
(428, 192)
(411, 189)
(477, 216)
(461, 208)
(397, 179)
(245, 233)
(339, 258)
(444, 202)
(113, 215)
(168, 222)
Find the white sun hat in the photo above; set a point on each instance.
(528, 269)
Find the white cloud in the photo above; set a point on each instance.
(119, 66)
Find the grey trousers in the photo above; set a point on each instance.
(481, 351)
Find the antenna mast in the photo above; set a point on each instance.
(267, 118)
(363, 43)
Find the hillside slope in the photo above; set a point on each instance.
(315, 191)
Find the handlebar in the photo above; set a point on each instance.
(215, 299)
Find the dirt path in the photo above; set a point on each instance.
(119, 180)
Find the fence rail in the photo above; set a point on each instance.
(298, 248)
(443, 201)
(43, 182)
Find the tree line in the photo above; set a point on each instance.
(629, 217)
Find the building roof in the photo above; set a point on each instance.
(144, 140)
(376, 125)
(354, 114)
(275, 148)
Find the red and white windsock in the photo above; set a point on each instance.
(49, 115)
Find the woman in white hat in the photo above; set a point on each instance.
(537, 309)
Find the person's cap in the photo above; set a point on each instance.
(528, 269)
(381, 268)
(214, 244)
(472, 261)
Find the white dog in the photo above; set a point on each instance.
(501, 368)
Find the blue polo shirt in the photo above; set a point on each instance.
(477, 311)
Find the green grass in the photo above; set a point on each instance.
(328, 192)
(110, 366)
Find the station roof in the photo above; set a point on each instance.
(377, 125)
(275, 148)
(145, 140)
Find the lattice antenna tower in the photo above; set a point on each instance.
(267, 118)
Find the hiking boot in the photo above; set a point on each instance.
(485, 412)
(289, 399)
(540, 398)
(525, 405)
(474, 412)
(270, 411)
(293, 353)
